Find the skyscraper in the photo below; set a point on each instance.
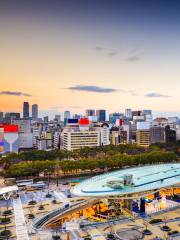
(34, 111)
(57, 118)
(46, 119)
(67, 114)
(101, 115)
(25, 110)
(128, 113)
(90, 112)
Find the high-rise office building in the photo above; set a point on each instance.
(128, 113)
(170, 135)
(143, 137)
(101, 115)
(57, 118)
(25, 110)
(136, 113)
(157, 134)
(115, 116)
(67, 114)
(46, 119)
(75, 139)
(90, 112)
(34, 111)
(146, 112)
(12, 115)
(143, 134)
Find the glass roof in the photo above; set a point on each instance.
(145, 178)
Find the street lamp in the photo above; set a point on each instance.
(48, 194)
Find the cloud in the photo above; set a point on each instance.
(99, 48)
(133, 58)
(134, 55)
(91, 88)
(15, 93)
(108, 51)
(156, 95)
(113, 53)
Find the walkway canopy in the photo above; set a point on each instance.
(8, 190)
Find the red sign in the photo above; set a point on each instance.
(120, 122)
(9, 128)
(83, 121)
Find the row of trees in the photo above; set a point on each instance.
(115, 161)
(81, 153)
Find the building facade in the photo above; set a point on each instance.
(101, 115)
(157, 135)
(143, 137)
(26, 110)
(90, 112)
(76, 139)
(34, 111)
(25, 133)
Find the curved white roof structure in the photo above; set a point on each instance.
(9, 189)
(130, 180)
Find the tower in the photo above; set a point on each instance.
(26, 110)
(34, 111)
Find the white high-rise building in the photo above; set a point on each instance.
(84, 134)
(104, 133)
(75, 139)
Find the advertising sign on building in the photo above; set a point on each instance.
(9, 138)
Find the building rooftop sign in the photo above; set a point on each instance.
(9, 128)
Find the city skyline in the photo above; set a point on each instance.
(105, 55)
(83, 113)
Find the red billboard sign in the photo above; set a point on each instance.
(83, 121)
(9, 128)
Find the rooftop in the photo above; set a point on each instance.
(144, 178)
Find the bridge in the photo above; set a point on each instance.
(59, 214)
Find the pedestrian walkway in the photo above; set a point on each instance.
(21, 228)
(96, 234)
(60, 196)
(74, 235)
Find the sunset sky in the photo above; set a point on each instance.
(90, 54)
